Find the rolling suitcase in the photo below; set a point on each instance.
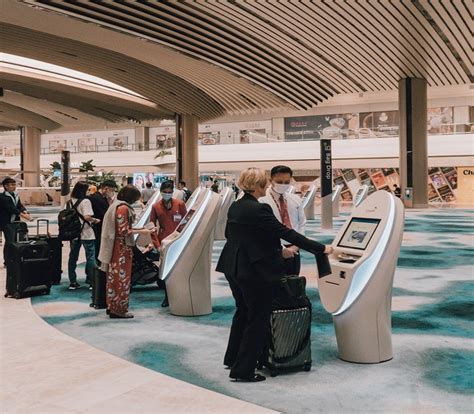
(28, 268)
(55, 250)
(99, 289)
(289, 342)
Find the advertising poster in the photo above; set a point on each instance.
(139, 180)
(432, 193)
(440, 120)
(446, 194)
(438, 180)
(252, 136)
(56, 146)
(378, 178)
(86, 144)
(165, 141)
(118, 143)
(336, 126)
(208, 138)
(378, 124)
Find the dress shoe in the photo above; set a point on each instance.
(124, 316)
(254, 378)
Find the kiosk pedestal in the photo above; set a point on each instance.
(308, 201)
(336, 193)
(227, 198)
(358, 292)
(186, 258)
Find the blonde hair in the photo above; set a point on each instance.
(252, 178)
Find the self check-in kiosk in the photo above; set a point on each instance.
(358, 292)
(336, 193)
(361, 195)
(186, 258)
(308, 201)
(144, 218)
(227, 197)
(194, 196)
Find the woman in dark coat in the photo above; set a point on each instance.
(252, 261)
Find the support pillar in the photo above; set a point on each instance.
(31, 156)
(412, 104)
(187, 156)
(142, 139)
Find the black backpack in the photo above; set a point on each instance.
(187, 194)
(70, 226)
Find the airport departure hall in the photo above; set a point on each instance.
(237, 206)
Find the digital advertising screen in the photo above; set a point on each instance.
(358, 233)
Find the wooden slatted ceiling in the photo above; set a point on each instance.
(302, 52)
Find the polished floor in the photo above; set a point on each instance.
(432, 370)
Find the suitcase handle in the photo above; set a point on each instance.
(18, 232)
(38, 226)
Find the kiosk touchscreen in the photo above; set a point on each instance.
(308, 201)
(227, 196)
(358, 292)
(186, 258)
(336, 193)
(361, 195)
(144, 218)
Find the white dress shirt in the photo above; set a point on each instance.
(295, 210)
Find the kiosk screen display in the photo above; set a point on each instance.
(185, 221)
(358, 233)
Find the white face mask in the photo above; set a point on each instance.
(166, 196)
(280, 188)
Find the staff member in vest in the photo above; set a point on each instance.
(252, 262)
(11, 209)
(167, 212)
(287, 209)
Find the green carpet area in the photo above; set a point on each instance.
(432, 318)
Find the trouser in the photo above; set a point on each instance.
(89, 248)
(249, 326)
(9, 232)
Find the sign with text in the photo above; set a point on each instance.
(326, 167)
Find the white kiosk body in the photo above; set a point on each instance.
(336, 193)
(358, 292)
(144, 218)
(308, 201)
(227, 197)
(191, 200)
(361, 195)
(185, 263)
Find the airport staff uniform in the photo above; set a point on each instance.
(290, 207)
(166, 219)
(252, 262)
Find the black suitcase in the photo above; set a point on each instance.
(99, 289)
(28, 268)
(55, 251)
(289, 342)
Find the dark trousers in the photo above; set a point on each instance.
(9, 233)
(293, 265)
(250, 325)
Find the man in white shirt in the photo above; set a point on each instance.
(288, 210)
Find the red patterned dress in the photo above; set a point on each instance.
(120, 268)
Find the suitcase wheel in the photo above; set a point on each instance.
(307, 367)
(17, 295)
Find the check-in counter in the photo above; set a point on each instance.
(308, 200)
(336, 194)
(361, 195)
(227, 197)
(185, 263)
(358, 292)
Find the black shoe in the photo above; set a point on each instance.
(107, 311)
(165, 302)
(74, 286)
(255, 378)
(124, 316)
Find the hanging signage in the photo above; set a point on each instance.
(326, 167)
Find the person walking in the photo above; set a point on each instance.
(147, 193)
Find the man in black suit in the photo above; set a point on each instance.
(252, 261)
(11, 209)
(100, 204)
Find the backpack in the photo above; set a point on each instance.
(187, 194)
(69, 222)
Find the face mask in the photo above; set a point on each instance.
(166, 196)
(280, 188)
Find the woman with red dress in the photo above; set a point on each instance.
(116, 250)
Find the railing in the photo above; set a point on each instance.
(248, 137)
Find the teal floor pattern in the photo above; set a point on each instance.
(433, 312)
